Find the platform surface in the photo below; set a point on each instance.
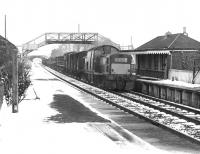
(57, 118)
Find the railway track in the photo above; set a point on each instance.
(176, 118)
(182, 111)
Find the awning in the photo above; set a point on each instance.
(156, 52)
(152, 52)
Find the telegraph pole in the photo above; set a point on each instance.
(78, 28)
(131, 43)
(5, 27)
(78, 34)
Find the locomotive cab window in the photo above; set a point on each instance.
(120, 60)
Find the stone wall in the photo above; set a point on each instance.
(176, 95)
(183, 60)
(183, 75)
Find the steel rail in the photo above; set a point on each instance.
(159, 118)
(164, 108)
(191, 109)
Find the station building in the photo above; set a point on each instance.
(175, 57)
(171, 56)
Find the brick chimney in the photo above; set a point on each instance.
(184, 31)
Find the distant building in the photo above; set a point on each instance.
(172, 56)
(6, 48)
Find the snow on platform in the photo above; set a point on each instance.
(177, 84)
(29, 131)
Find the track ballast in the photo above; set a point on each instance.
(176, 119)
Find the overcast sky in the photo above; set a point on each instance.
(115, 19)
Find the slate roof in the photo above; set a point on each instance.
(3, 42)
(178, 41)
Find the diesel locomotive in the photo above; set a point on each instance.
(103, 66)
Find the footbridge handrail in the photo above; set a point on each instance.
(64, 38)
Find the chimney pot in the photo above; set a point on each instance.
(184, 31)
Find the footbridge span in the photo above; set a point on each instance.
(64, 38)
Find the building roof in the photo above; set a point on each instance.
(4, 42)
(178, 41)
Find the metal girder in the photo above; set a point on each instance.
(79, 38)
(59, 38)
(66, 38)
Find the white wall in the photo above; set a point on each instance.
(183, 75)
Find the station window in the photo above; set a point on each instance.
(162, 61)
(149, 61)
(107, 60)
(107, 68)
(156, 62)
(141, 61)
(87, 65)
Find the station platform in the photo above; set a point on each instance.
(57, 118)
(175, 91)
(54, 118)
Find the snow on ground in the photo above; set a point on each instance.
(178, 83)
(27, 132)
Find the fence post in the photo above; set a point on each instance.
(1, 93)
(14, 81)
